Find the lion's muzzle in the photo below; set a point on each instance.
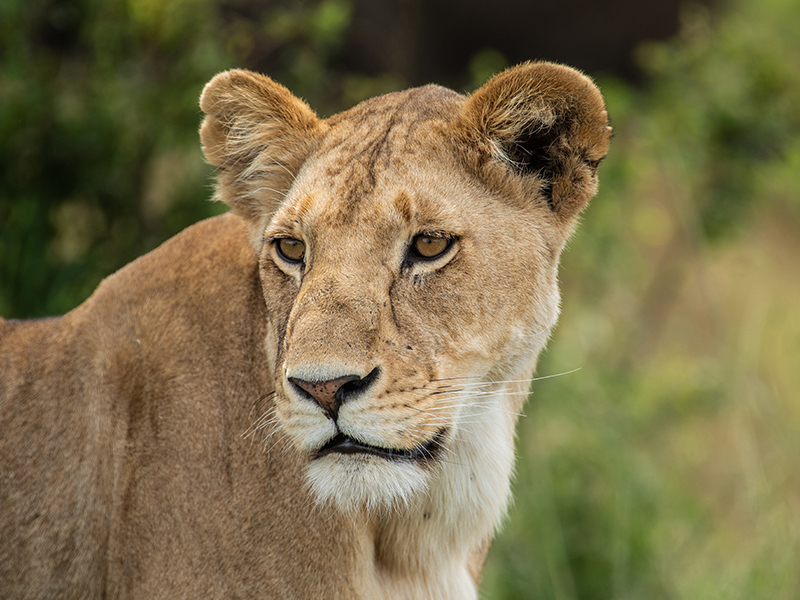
(331, 393)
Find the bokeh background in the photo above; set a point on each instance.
(668, 465)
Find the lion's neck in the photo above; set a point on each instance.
(435, 548)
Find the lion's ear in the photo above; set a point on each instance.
(258, 135)
(544, 123)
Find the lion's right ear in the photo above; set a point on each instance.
(258, 135)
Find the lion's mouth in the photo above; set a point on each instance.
(343, 444)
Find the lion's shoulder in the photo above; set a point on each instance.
(159, 311)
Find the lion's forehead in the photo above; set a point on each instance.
(378, 141)
(407, 109)
(391, 176)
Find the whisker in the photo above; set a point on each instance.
(275, 444)
(556, 374)
(262, 421)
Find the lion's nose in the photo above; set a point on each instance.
(331, 393)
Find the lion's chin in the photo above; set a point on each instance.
(364, 483)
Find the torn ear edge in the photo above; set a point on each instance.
(543, 127)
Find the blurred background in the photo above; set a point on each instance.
(668, 465)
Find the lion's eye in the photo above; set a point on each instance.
(290, 250)
(428, 247)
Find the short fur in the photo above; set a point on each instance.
(155, 442)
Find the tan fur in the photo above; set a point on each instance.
(153, 445)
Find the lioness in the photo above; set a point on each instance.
(313, 396)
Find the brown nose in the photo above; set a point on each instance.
(331, 393)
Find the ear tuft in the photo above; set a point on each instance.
(258, 134)
(542, 122)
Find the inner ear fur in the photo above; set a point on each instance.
(539, 123)
(257, 134)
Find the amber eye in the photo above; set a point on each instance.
(291, 250)
(428, 247)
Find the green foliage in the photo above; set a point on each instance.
(733, 92)
(100, 160)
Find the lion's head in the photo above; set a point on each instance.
(408, 251)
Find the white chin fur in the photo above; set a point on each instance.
(361, 482)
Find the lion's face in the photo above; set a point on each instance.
(392, 290)
(409, 268)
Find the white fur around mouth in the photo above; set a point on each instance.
(362, 482)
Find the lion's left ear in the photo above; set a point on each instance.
(543, 123)
(258, 134)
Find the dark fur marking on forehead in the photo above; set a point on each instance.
(403, 205)
(380, 126)
(304, 207)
